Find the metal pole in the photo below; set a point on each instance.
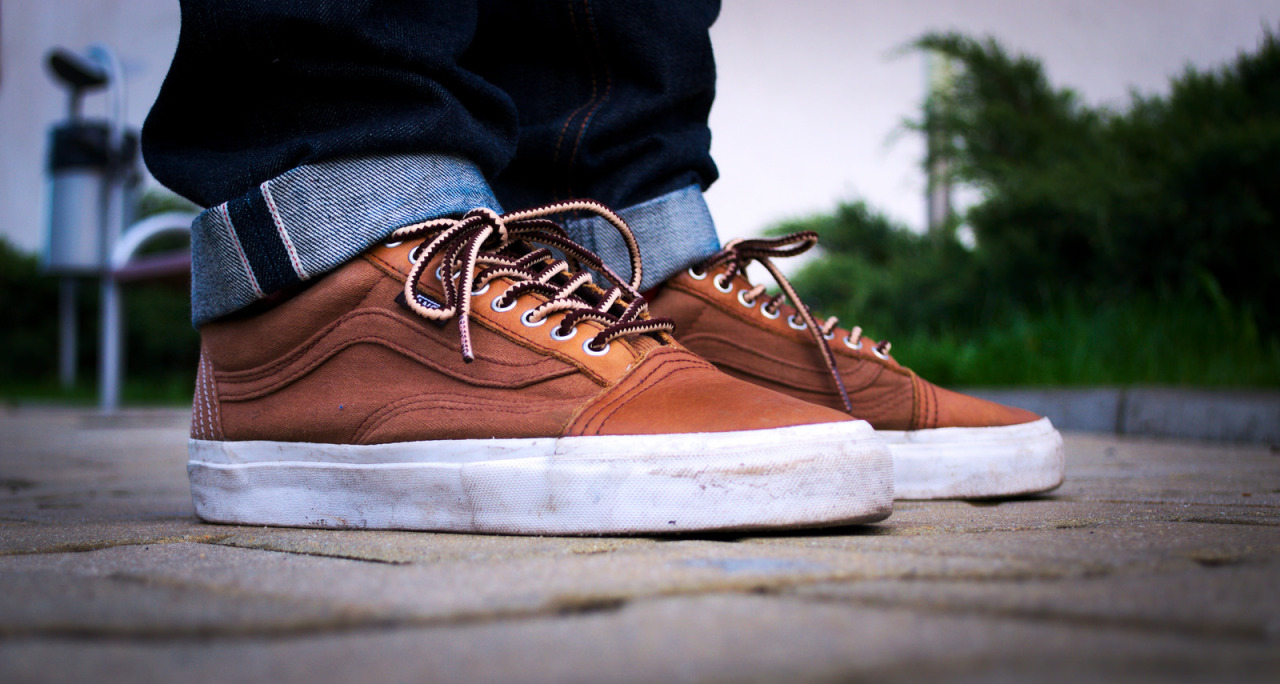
(112, 356)
(111, 350)
(940, 75)
(67, 332)
(111, 359)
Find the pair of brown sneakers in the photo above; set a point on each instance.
(470, 376)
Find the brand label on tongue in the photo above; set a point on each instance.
(424, 300)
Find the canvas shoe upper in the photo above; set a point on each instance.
(465, 377)
(945, 444)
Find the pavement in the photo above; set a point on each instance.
(1158, 560)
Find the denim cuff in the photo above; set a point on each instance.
(674, 231)
(316, 217)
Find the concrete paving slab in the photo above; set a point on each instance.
(1154, 561)
(1235, 600)
(551, 580)
(1160, 470)
(710, 638)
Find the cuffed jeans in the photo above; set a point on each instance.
(313, 128)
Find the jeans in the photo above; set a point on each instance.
(313, 128)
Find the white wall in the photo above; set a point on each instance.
(143, 33)
(810, 91)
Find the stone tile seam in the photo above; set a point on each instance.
(86, 547)
(1193, 628)
(576, 606)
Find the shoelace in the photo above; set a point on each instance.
(483, 246)
(739, 254)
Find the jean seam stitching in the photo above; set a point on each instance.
(555, 158)
(604, 97)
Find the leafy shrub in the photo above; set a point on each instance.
(1173, 190)
(1110, 245)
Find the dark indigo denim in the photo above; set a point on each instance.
(612, 97)
(312, 128)
(590, 98)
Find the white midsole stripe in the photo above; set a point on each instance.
(746, 444)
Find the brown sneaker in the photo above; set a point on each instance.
(944, 444)
(464, 379)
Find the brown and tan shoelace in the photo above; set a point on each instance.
(738, 254)
(483, 246)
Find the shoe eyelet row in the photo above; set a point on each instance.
(848, 343)
(771, 315)
(413, 258)
(742, 299)
(830, 336)
(439, 270)
(477, 293)
(393, 245)
(879, 354)
(727, 287)
(796, 325)
(527, 319)
(586, 347)
(697, 276)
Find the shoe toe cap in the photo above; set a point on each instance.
(680, 393)
(954, 409)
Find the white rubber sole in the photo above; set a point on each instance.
(803, 476)
(970, 463)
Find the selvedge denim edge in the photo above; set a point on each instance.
(313, 218)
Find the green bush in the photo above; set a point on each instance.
(161, 348)
(1099, 203)
(1111, 246)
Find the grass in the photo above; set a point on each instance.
(1193, 341)
(1118, 343)
(171, 391)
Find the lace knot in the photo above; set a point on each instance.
(484, 246)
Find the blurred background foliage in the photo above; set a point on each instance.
(1107, 247)
(161, 347)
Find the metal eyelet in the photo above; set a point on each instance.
(728, 284)
(586, 347)
(413, 258)
(440, 273)
(555, 334)
(791, 321)
(879, 354)
(524, 318)
(477, 293)
(830, 336)
(493, 304)
(695, 275)
(393, 245)
(742, 299)
(770, 314)
(851, 345)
